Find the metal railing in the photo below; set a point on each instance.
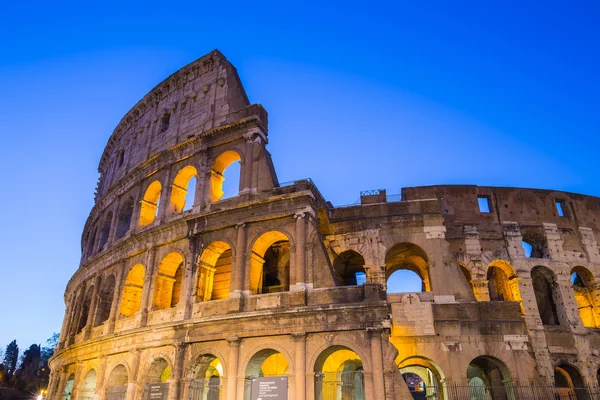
(510, 391)
(339, 385)
(204, 389)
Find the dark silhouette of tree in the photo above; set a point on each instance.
(11, 356)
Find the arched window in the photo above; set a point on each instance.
(149, 204)
(214, 272)
(503, 284)
(206, 378)
(406, 269)
(546, 294)
(159, 371)
(217, 174)
(338, 374)
(586, 293)
(85, 309)
(132, 291)
(167, 288)
(569, 384)
(91, 241)
(183, 190)
(534, 244)
(349, 268)
(270, 263)
(88, 386)
(105, 232)
(124, 218)
(116, 387)
(105, 299)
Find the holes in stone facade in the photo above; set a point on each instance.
(349, 268)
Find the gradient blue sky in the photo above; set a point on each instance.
(360, 96)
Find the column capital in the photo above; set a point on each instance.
(234, 341)
(297, 336)
(241, 225)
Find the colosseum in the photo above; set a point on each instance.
(274, 293)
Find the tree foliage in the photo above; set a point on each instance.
(11, 357)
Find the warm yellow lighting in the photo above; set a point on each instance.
(132, 291)
(214, 272)
(257, 260)
(168, 281)
(149, 204)
(180, 188)
(216, 174)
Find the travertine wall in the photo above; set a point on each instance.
(235, 284)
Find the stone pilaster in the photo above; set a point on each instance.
(116, 301)
(377, 364)
(239, 282)
(300, 365)
(147, 292)
(92, 310)
(299, 274)
(232, 372)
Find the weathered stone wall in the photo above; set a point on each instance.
(161, 287)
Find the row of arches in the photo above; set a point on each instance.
(224, 182)
(503, 285)
(337, 375)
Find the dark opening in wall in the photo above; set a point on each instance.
(121, 158)
(546, 294)
(484, 204)
(534, 245)
(164, 122)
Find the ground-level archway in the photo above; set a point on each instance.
(116, 386)
(66, 395)
(424, 379)
(569, 383)
(87, 388)
(205, 382)
(265, 363)
(338, 375)
(489, 379)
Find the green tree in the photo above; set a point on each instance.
(11, 356)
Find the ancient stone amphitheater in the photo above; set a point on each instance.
(274, 293)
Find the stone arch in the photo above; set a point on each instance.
(149, 203)
(569, 382)
(503, 283)
(159, 370)
(184, 185)
(131, 297)
(220, 164)
(349, 267)
(87, 387)
(270, 263)
(85, 309)
(408, 256)
(342, 343)
(339, 374)
(547, 295)
(586, 293)
(124, 218)
(91, 241)
(466, 273)
(168, 281)
(214, 271)
(105, 231)
(488, 378)
(429, 373)
(68, 389)
(535, 244)
(205, 375)
(117, 382)
(105, 298)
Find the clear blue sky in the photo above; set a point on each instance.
(360, 95)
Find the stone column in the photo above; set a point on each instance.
(113, 227)
(377, 364)
(101, 373)
(76, 381)
(76, 315)
(165, 196)
(116, 301)
(188, 282)
(92, 311)
(135, 389)
(300, 268)
(300, 361)
(177, 373)
(247, 185)
(135, 213)
(147, 291)
(232, 373)
(55, 388)
(64, 332)
(239, 282)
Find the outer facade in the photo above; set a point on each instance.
(198, 297)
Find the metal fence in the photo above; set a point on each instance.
(205, 389)
(339, 386)
(116, 392)
(511, 391)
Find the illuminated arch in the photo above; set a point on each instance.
(270, 263)
(87, 387)
(503, 284)
(105, 299)
(349, 268)
(217, 173)
(149, 204)
(569, 383)
(586, 293)
(184, 183)
(66, 395)
(338, 374)
(167, 286)
(487, 377)
(428, 372)
(214, 272)
(206, 374)
(131, 299)
(159, 371)
(408, 256)
(547, 295)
